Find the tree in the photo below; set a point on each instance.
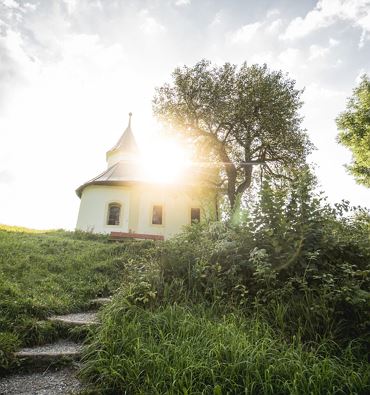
(354, 131)
(239, 117)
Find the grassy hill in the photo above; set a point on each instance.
(53, 272)
(276, 304)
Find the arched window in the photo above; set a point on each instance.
(114, 213)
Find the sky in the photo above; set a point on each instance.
(71, 70)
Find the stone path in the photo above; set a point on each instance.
(100, 301)
(51, 381)
(76, 319)
(61, 346)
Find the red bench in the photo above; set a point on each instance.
(124, 235)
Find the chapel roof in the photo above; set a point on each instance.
(128, 170)
(120, 173)
(126, 142)
(129, 173)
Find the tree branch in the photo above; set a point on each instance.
(278, 175)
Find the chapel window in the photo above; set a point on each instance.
(194, 215)
(114, 212)
(157, 216)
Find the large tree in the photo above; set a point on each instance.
(240, 116)
(354, 131)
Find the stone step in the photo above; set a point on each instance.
(76, 319)
(100, 301)
(45, 382)
(49, 353)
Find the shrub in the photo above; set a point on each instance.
(292, 252)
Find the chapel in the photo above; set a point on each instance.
(122, 202)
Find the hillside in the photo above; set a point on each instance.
(53, 272)
(274, 304)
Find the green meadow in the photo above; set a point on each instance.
(275, 301)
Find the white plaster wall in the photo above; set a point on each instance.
(176, 203)
(92, 216)
(137, 204)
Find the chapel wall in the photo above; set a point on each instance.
(137, 203)
(95, 199)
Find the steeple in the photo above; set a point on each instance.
(126, 147)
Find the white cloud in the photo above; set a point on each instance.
(274, 26)
(71, 5)
(317, 51)
(289, 57)
(289, 60)
(30, 6)
(217, 19)
(18, 6)
(98, 4)
(328, 12)
(270, 25)
(16, 65)
(10, 3)
(273, 13)
(300, 27)
(5, 177)
(333, 42)
(364, 21)
(337, 63)
(363, 38)
(262, 57)
(182, 2)
(149, 24)
(245, 33)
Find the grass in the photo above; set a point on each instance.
(177, 349)
(148, 343)
(54, 272)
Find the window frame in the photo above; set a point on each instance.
(191, 219)
(109, 206)
(152, 212)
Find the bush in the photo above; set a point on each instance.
(292, 253)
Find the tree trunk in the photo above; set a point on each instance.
(230, 170)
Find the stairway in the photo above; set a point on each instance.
(77, 319)
(51, 368)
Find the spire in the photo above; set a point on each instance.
(127, 142)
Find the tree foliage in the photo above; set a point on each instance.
(238, 117)
(354, 126)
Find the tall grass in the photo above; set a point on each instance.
(176, 349)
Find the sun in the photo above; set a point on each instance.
(165, 161)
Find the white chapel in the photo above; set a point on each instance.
(122, 202)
